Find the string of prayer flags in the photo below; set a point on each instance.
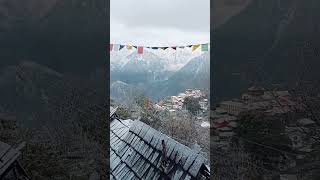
(194, 47)
(204, 47)
(140, 50)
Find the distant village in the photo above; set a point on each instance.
(174, 103)
(284, 106)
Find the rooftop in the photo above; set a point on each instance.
(232, 103)
(7, 156)
(255, 88)
(113, 110)
(136, 152)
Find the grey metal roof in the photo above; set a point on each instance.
(135, 153)
(113, 110)
(7, 156)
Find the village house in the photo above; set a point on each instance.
(232, 107)
(273, 104)
(223, 127)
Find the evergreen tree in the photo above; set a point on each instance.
(192, 105)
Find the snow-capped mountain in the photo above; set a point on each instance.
(139, 68)
(124, 93)
(158, 73)
(170, 59)
(196, 67)
(177, 58)
(118, 59)
(147, 61)
(195, 74)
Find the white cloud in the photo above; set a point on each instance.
(160, 23)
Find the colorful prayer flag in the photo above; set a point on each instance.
(140, 50)
(129, 47)
(116, 47)
(204, 47)
(111, 47)
(194, 47)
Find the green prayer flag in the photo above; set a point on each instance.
(204, 47)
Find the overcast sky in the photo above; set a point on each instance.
(160, 22)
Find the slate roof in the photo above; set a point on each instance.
(135, 153)
(7, 156)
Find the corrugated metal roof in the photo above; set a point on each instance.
(136, 152)
(112, 110)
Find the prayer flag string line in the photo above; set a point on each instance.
(140, 49)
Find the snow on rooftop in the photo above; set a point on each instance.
(136, 150)
(205, 124)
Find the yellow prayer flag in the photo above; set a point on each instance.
(194, 47)
(129, 47)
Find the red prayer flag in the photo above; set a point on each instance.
(140, 50)
(111, 47)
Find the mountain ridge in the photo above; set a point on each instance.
(262, 52)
